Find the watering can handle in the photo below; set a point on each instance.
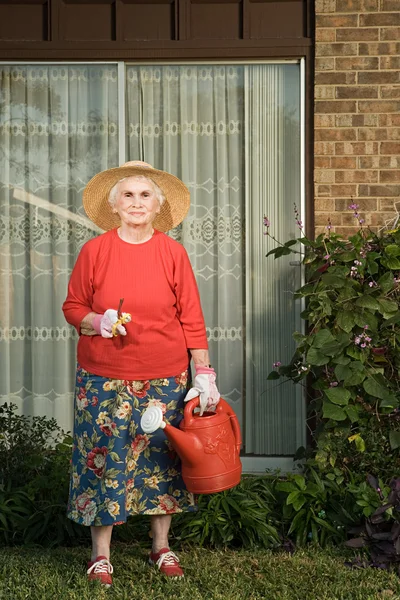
(222, 406)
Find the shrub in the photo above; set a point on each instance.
(349, 355)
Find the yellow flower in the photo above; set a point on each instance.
(113, 483)
(109, 385)
(151, 482)
(113, 508)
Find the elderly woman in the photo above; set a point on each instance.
(131, 360)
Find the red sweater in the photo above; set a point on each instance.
(160, 292)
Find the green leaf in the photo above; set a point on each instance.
(374, 388)
(332, 411)
(285, 486)
(389, 401)
(342, 371)
(345, 320)
(338, 395)
(293, 496)
(348, 256)
(386, 282)
(392, 250)
(273, 375)
(366, 318)
(356, 378)
(341, 360)
(352, 413)
(391, 263)
(322, 337)
(290, 243)
(316, 358)
(332, 280)
(300, 481)
(394, 438)
(387, 306)
(282, 251)
(367, 302)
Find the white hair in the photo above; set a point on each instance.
(112, 197)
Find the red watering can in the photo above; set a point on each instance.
(208, 446)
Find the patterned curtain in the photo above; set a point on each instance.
(189, 121)
(58, 127)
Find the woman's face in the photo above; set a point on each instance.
(136, 202)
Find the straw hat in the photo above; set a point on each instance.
(173, 210)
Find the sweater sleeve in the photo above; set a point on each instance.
(189, 309)
(80, 289)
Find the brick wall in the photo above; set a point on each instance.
(357, 112)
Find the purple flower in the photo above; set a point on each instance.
(327, 256)
(357, 340)
(333, 384)
(361, 221)
(372, 284)
(329, 227)
(353, 206)
(363, 345)
(365, 326)
(276, 364)
(267, 222)
(299, 223)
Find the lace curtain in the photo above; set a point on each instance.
(58, 128)
(232, 134)
(188, 120)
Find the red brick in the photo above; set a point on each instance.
(357, 5)
(325, 64)
(370, 133)
(346, 231)
(343, 162)
(325, 6)
(387, 5)
(324, 92)
(390, 62)
(324, 121)
(350, 219)
(325, 35)
(356, 148)
(324, 204)
(344, 190)
(379, 48)
(322, 162)
(355, 34)
(376, 106)
(336, 49)
(382, 218)
(335, 135)
(394, 133)
(323, 190)
(324, 176)
(390, 33)
(336, 20)
(324, 148)
(388, 204)
(379, 190)
(365, 204)
(356, 176)
(328, 78)
(378, 162)
(392, 176)
(380, 19)
(356, 63)
(390, 92)
(335, 106)
(361, 91)
(344, 120)
(379, 77)
(393, 120)
(389, 148)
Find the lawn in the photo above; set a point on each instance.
(312, 574)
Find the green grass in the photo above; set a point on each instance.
(312, 574)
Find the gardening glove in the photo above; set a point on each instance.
(109, 324)
(205, 387)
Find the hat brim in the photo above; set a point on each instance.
(97, 191)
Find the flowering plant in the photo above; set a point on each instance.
(350, 353)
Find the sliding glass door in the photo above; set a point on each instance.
(233, 134)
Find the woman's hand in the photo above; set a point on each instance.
(205, 387)
(110, 324)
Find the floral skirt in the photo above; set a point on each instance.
(117, 470)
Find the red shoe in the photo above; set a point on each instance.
(167, 562)
(101, 570)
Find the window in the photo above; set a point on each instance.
(233, 133)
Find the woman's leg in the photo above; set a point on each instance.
(101, 540)
(160, 525)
